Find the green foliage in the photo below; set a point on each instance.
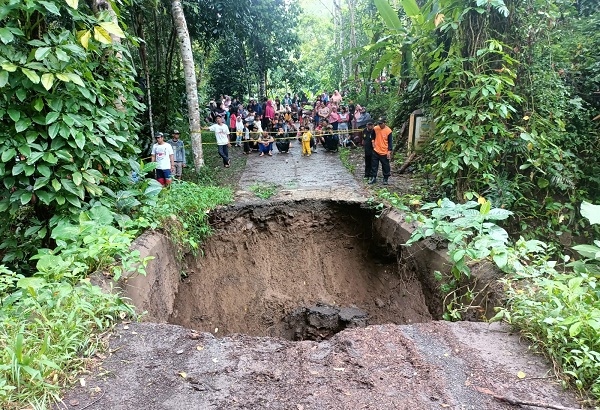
(260, 42)
(264, 191)
(91, 245)
(61, 131)
(183, 210)
(472, 236)
(51, 321)
(471, 107)
(560, 313)
(48, 328)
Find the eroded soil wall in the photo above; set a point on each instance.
(264, 262)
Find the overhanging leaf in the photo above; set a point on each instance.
(411, 8)
(84, 37)
(591, 212)
(47, 80)
(76, 79)
(6, 36)
(10, 67)
(41, 53)
(112, 28)
(388, 14)
(3, 78)
(101, 35)
(73, 3)
(32, 75)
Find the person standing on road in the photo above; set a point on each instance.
(306, 137)
(179, 153)
(382, 151)
(222, 135)
(162, 154)
(368, 136)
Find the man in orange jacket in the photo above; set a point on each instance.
(382, 151)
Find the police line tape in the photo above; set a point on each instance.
(314, 133)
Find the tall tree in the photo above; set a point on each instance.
(191, 88)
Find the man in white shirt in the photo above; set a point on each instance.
(222, 134)
(162, 154)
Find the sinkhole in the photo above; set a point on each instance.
(298, 270)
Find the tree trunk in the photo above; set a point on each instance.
(191, 88)
(262, 84)
(352, 34)
(144, 58)
(168, 68)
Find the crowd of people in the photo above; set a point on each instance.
(260, 126)
(330, 122)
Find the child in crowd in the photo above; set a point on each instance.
(247, 148)
(239, 131)
(306, 138)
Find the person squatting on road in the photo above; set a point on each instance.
(382, 151)
(162, 154)
(222, 134)
(265, 144)
(368, 136)
(178, 152)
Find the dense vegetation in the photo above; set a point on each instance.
(513, 88)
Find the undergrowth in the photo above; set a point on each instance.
(345, 158)
(182, 212)
(556, 306)
(264, 191)
(54, 319)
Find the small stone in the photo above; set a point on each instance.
(180, 351)
(74, 402)
(379, 303)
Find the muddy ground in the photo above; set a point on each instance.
(428, 365)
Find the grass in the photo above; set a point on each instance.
(264, 191)
(183, 213)
(213, 172)
(345, 158)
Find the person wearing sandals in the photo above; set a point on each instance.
(265, 144)
(222, 135)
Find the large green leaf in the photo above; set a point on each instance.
(411, 8)
(51, 117)
(22, 124)
(388, 14)
(47, 80)
(32, 75)
(41, 53)
(45, 196)
(6, 36)
(588, 251)
(14, 114)
(51, 7)
(3, 78)
(8, 154)
(591, 212)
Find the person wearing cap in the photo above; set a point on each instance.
(178, 152)
(162, 154)
(222, 135)
(382, 151)
(368, 136)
